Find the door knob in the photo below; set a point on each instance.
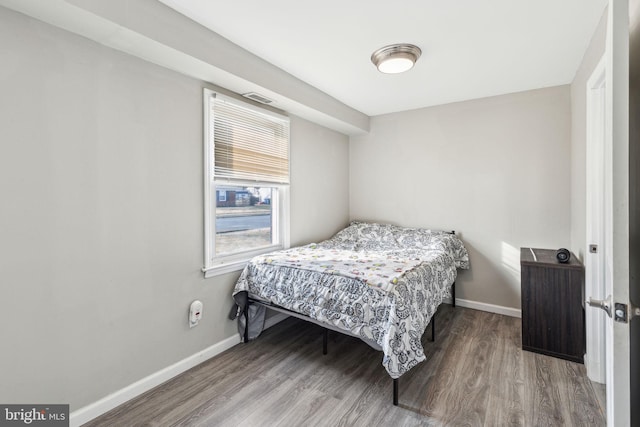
(604, 304)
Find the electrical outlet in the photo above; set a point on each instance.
(195, 313)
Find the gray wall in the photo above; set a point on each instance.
(101, 225)
(495, 169)
(579, 138)
(320, 182)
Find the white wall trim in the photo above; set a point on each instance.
(107, 403)
(491, 308)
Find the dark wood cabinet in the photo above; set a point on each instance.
(552, 304)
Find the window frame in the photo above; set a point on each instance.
(280, 210)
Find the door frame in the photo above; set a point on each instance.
(617, 134)
(614, 261)
(597, 226)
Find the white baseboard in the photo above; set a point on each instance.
(491, 308)
(107, 403)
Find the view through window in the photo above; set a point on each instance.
(244, 218)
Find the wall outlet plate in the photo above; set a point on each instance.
(195, 313)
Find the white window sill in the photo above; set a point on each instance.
(225, 268)
(229, 265)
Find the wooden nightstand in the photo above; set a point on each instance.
(552, 304)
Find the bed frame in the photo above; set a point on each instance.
(325, 337)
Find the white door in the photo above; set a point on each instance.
(616, 212)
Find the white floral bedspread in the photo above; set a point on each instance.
(380, 269)
(380, 282)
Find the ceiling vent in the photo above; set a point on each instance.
(257, 97)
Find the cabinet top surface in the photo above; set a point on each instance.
(547, 257)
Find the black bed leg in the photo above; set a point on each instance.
(246, 322)
(433, 327)
(453, 293)
(325, 340)
(395, 392)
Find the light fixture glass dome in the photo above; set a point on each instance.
(396, 58)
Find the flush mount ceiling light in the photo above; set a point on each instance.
(396, 58)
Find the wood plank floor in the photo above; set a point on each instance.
(475, 375)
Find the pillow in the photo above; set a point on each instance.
(364, 236)
(371, 236)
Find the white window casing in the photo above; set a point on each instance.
(246, 155)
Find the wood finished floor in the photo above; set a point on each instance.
(475, 375)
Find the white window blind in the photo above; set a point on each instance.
(249, 145)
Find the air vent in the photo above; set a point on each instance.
(257, 97)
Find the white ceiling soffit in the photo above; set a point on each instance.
(471, 49)
(154, 32)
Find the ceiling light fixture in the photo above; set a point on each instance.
(396, 58)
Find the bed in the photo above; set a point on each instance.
(379, 282)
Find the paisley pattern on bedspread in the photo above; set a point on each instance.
(392, 311)
(379, 269)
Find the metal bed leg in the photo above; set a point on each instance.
(395, 392)
(246, 322)
(453, 293)
(325, 340)
(433, 327)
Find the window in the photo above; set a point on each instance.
(246, 182)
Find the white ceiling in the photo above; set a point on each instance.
(471, 49)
